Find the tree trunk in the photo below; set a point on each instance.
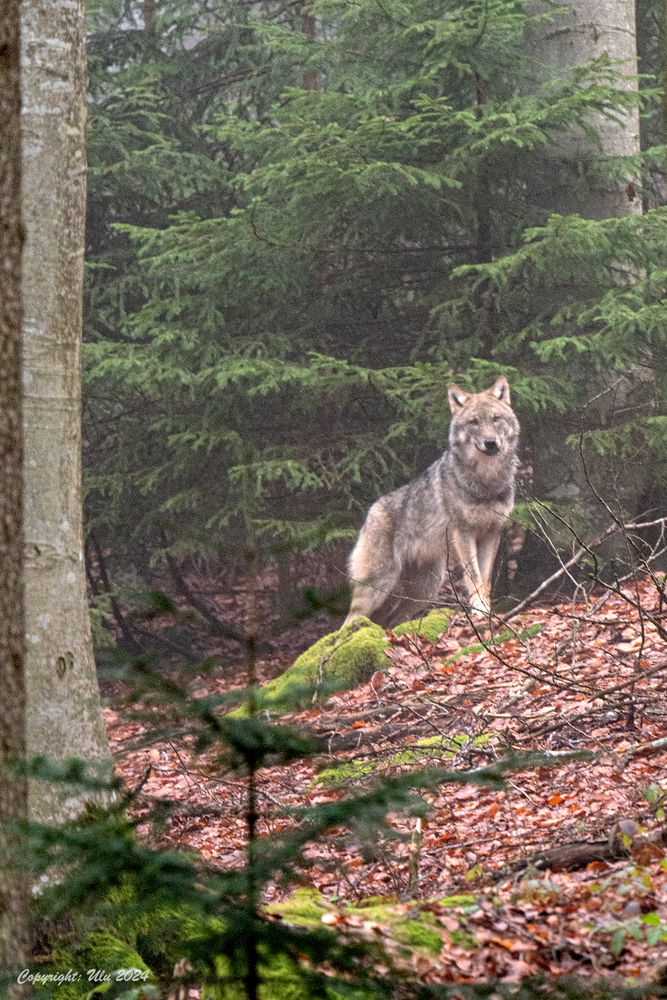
(585, 32)
(149, 17)
(558, 46)
(13, 791)
(309, 28)
(64, 718)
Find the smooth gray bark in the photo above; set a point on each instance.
(13, 791)
(64, 717)
(587, 31)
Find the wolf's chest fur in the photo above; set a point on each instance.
(448, 495)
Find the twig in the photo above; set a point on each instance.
(581, 551)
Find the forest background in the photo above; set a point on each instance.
(303, 224)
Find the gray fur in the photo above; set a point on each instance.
(445, 526)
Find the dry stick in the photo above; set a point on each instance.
(658, 668)
(636, 604)
(535, 671)
(643, 749)
(94, 586)
(191, 774)
(656, 552)
(582, 550)
(543, 526)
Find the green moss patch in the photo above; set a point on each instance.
(101, 950)
(430, 626)
(305, 907)
(404, 928)
(412, 926)
(494, 640)
(337, 662)
(430, 748)
(462, 900)
(417, 934)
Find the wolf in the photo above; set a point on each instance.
(446, 525)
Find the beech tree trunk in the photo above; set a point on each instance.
(64, 717)
(558, 46)
(13, 791)
(569, 40)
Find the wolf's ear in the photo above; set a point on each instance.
(501, 390)
(457, 398)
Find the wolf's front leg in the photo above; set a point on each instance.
(463, 572)
(487, 550)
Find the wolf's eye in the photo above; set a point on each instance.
(474, 422)
(497, 420)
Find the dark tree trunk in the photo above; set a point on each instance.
(13, 791)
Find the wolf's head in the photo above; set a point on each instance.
(483, 423)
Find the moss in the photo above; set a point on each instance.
(440, 747)
(430, 626)
(353, 770)
(462, 938)
(166, 935)
(172, 931)
(280, 981)
(417, 934)
(101, 950)
(465, 901)
(339, 661)
(377, 901)
(305, 907)
(495, 640)
(414, 927)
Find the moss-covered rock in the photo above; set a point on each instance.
(337, 662)
(430, 626)
(165, 936)
(169, 934)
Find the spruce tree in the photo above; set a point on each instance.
(335, 255)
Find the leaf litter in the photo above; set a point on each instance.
(566, 680)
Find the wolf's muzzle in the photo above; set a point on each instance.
(491, 447)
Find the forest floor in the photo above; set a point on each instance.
(593, 678)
